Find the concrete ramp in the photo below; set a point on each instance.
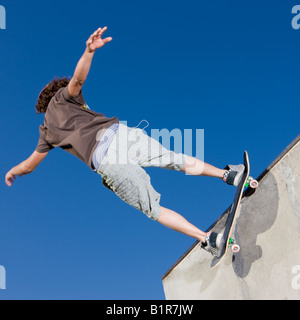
(268, 231)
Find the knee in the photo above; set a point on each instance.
(193, 166)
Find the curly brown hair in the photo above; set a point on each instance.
(49, 92)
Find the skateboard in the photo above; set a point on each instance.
(228, 242)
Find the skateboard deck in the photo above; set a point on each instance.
(233, 213)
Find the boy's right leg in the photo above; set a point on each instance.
(232, 174)
(196, 167)
(153, 154)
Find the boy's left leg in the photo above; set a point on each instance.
(176, 222)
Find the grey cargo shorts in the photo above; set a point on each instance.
(122, 168)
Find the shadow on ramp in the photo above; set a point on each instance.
(258, 213)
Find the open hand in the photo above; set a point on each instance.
(10, 178)
(95, 41)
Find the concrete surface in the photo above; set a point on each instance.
(268, 231)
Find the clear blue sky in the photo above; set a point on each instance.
(228, 67)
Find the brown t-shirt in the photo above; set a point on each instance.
(70, 125)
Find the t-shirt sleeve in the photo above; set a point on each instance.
(79, 100)
(43, 146)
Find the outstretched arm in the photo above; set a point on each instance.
(83, 67)
(25, 167)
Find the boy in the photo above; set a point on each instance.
(106, 146)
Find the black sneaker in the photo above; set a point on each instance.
(234, 174)
(213, 243)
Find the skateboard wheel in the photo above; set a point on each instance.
(253, 184)
(235, 248)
